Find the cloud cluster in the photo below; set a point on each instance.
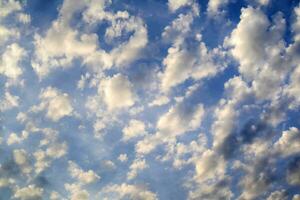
(104, 99)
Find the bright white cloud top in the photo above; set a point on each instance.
(150, 100)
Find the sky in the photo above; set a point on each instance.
(150, 99)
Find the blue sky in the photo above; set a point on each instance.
(146, 100)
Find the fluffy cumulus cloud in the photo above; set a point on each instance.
(117, 92)
(56, 104)
(85, 177)
(174, 5)
(148, 100)
(180, 119)
(29, 192)
(134, 129)
(10, 60)
(288, 143)
(214, 6)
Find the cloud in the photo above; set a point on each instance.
(9, 101)
(293, 172)
(134, 129)
(185, 61)
(159, 104)
(209, 166)
(14, 138)
(53, 51)
(179, 27)
(256, 44)
(117, 92)
(218, 190)
(76, 192)
(289, 142)
(226, 112)
(50, 54)
(181, 118)
(7, 7)
(214, 6)
(50, 149)
(129, 191)
(31, 192)
(258, 178)
(56, 104)
(136, 166)
(10, 61)
(176, 4)
(123, 157)
(7, 33)
(278, 195)
(178, 66)
(84, 177)
(159, 101)
(21, 159)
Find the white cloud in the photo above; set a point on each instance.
(179, 27)
(210, 166)
(14, 138)
(214, 6)
(55, 196)
(148, 144)
(21, 159)
(8, 7)
(249, 40)
(51, 149)
(7, 33)
(159, 101)
(258, 176)
(130, 50)
(296, 197)
(180, 119)
(9, 101)
(117, 92)
(123, 157)
(84, 177)
(109, 165)
(10, 61)
(29, 192)
(293, 172)
(178, 64)
(42, 161)
(52, 51)
(184, 62)
(293, 89)
(56, 103)
(24, 18)
(278, 195)
(212, 190)
(136, 166)
(263, 2)
(176, 4)
(129, 191)
(57, 150)
(134, 129)
(77, 193)
(6, 182)
(259, 47)
(289, 143)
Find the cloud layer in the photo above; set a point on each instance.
(149, 100)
